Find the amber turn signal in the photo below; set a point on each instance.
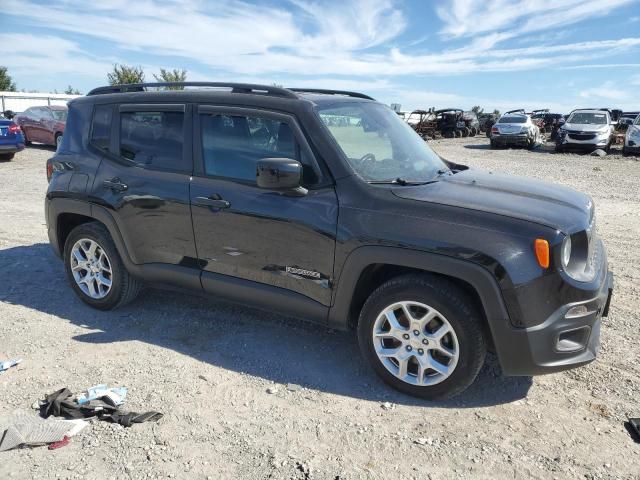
(542, 252)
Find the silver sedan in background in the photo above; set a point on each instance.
(515, 130)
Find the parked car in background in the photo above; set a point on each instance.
(586, 129)
(632, 138)
(515, 129)
(11, 139)
(626, 120)
(43, 124)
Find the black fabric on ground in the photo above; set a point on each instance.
(61, 404)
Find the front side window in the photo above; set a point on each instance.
(378, 145)
(637, 122)
(153, 139)
(232, 145)
(101, 127)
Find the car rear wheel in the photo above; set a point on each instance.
(95, 269)
(6, 156)
(26, 139)
(423, 336)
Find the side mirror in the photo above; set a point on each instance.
(280, 174)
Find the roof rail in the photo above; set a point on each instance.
(331, 92)
(235, 88)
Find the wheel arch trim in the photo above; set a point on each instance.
(480, 279)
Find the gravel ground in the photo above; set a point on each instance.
(252, 395)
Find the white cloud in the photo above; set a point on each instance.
(473, 17)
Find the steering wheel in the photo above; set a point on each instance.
(367, 159)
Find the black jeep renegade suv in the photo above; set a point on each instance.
(325, 206)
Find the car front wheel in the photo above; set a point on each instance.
(423, 336)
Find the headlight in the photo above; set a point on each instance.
(566, 251)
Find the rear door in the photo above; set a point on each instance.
(255, 234)
(144, 176)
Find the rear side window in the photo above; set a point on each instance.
(232, 145)
(153, 139)
(101, 127)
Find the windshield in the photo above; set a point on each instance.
(378, 145)
(588, 118)
(59, 114)
(513, 120)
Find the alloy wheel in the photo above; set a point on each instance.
(415, 343)
(91, 268)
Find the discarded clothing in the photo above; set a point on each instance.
(7, 364)
(116, 395)
(62, 404)
(27, 429)
(62, 443)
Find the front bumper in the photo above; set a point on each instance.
(588, 144)
(631, 146)
(568, 337)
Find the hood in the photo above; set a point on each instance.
(536, 201)
(581, 127)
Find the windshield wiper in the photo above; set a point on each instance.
(398, 181)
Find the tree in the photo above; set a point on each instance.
(72, 91)
(123, 74)
(477, 110)
(6, 82)
(169, 76)
(496, 112)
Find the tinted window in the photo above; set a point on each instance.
(101, 127)
(232, 145)
(153, 139)
(513, 120)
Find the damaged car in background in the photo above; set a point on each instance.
(515, 129)
(632, 138)
(587, 130)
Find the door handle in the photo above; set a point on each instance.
(115, 185)
(212, 202)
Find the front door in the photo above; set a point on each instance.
(251, 233)
(144, 178)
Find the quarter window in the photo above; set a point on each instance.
(232, 145)
(101, 127)
(153, 139)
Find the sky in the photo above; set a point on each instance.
(446, 53)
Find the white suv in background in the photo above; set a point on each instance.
(632, 138)
(586, 129)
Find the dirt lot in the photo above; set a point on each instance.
(210, 367)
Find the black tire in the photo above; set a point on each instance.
(474, 131)
(488, 133)
(493, 144)
(453, 303)
(124, 287)
(449, 134)
(466, 131)
(559, 149)
(7, 156)
(458, 133)
(27, 142)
